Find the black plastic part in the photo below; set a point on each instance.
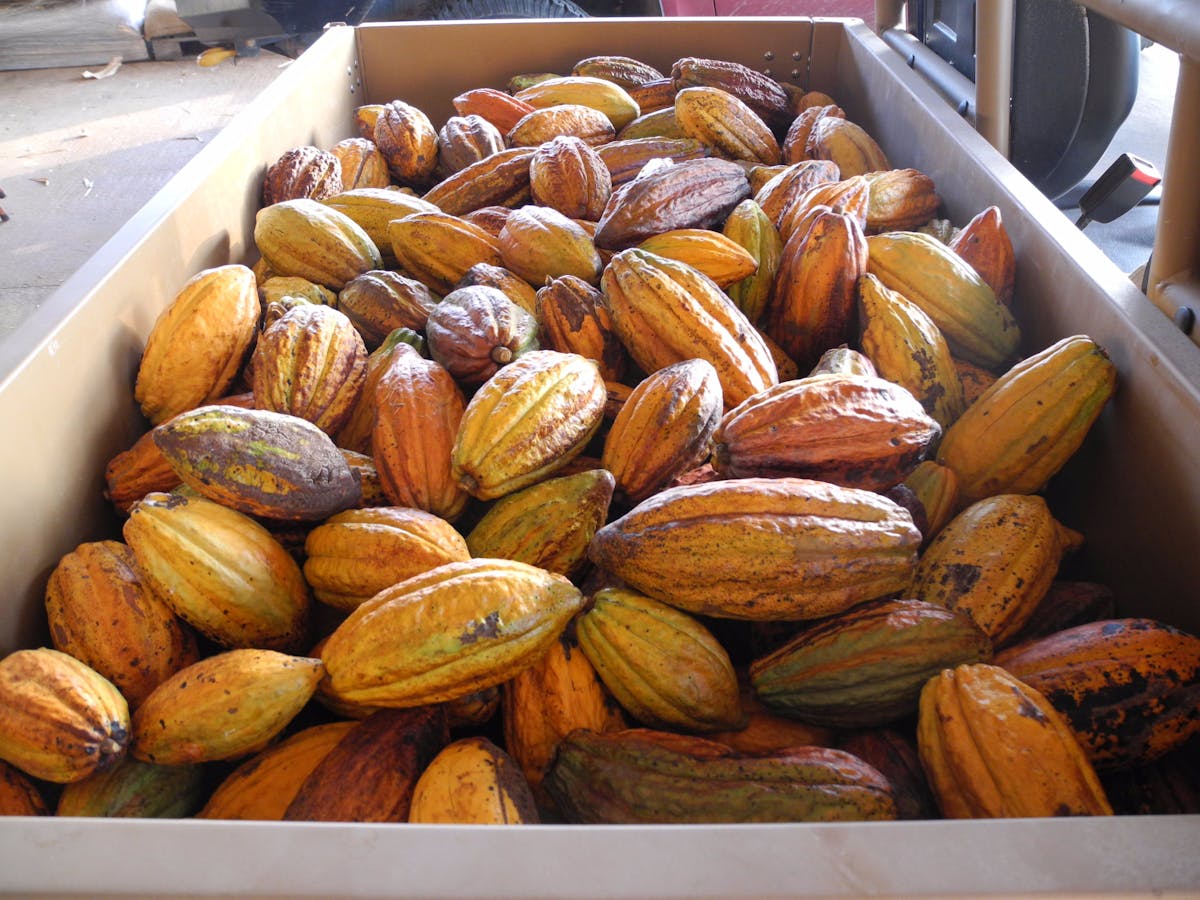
(1122, 187)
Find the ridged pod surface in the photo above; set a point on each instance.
(447, 633)
(547, 524)
(315, 241)
(501, 179)
(720, 120)
(573, 319)
(136, 471)
(418, 410)
(545, 702)
(526, 422)
(793, 181)
(372, 208)
(936, 489)
(60, 720)
(477, 329)
(437, 248)
(995, 561)
(220, 571)
(225, 706)
(302, 172)
(984, 243)
(464, 140)
(623, 70)
(642, 776)
(198, 343)
(362, 165)
(666, 312)
(1022, 429)
(664, 428)
(848, 144)
(540, 243)
(814, 301)
(760, 92)
(900, 199)
(380, 301)
(694, 193)
(719, 257)
(100, 612)
(662, 665)
(993, 747)
(352, 556)
(761, 548)
(574, 119)
(261, 788)
(19, 794)
(854, 430)
(568, 175)
(473, 782)
(499, 107)
(865, 667)
(751, 228)
(310, 363)
(906, 347)
(259, 462)
(849, 195)
(1129, 688)
(977, 326)
(408, 141)
(600, 94)
(625, 158)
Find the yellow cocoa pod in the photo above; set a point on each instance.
(622, 70)
(371, 208)
(540, 243)
(544, 703)
(473, 782)
(665, 312)
(900, 199)
(355, 435)
(1022, 430)
(438, 248)
(353, 555)
(993, 747)
(795, 141)
(60, 720)
(719, 257)
(625, 158)
(100, 612)
(995, 561)
(262, 787)
(198, 343)
(19, 795)
(135, 790)
(223, 707)
(906, 347)
(761, 548)
(548, 524)
(135, 472)
(220, 571)
(310, 363)
(724, 122)
(574, 119)
(600, 94)
(750, 227)
(661, 664)
(847, 144)
(526, 422)
(452, 631)
(663, 428)
(848, 195)
(278, 288)
(307, 238)
(977, 326)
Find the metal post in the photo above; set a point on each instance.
(993, 71)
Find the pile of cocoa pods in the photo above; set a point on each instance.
(634, 447)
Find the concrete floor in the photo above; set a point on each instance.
(79, 156)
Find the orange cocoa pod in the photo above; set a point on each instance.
(984, 243)
(500, 108)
